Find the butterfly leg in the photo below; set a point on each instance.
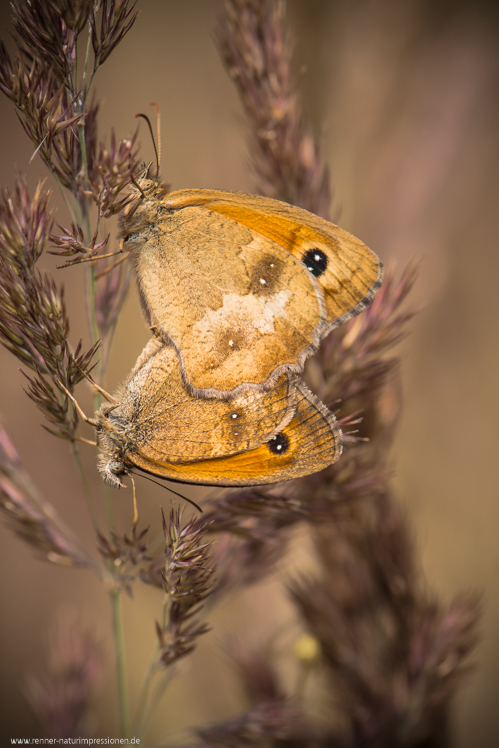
(111, 267)
(88, 259)
(103, 392)
(91, 421)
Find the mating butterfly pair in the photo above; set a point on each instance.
(239, 290)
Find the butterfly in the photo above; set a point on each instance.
(157, 426)
(243, 287)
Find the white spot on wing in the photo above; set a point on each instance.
(248, 314)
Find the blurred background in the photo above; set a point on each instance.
(403, 96)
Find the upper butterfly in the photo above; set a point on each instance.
(244, 287)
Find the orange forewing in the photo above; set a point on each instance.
(244, 287)
(353, 273)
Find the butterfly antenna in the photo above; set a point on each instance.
(181, 496)
(158, 127)
(144, 116)
(135, 510)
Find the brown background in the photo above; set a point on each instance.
(403, 95)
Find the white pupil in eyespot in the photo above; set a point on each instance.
(279, 446)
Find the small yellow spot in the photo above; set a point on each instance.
(307, 649)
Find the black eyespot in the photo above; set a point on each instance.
(316, 261)
(279, 444)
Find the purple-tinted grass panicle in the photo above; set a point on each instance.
(48, 31)
(31, 517)
(34, 324)
(61, 696)
(186, 575)
(113, 169)
(270, 723)
(128, 554)
(117, 18)
(256, 49)
(258, 676)
(394, 654)
(72, 242)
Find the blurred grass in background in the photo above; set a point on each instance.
(405, 97)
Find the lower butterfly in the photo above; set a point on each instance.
(156, 426)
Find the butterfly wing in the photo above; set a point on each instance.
(235, 306)
(156, 412)
(244, 287)
(310, 442)
(349, 272)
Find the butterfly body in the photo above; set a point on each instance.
(243, 287)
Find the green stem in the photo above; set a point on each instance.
(85, 71)
(86, 489)
(141, 718)
(75, 69)
(144, 698)
(159, 692)
(64, 197)
(114, 594)
(108, 501)
(124, 714)
(120, 664)
(90, 276)
(92, 320)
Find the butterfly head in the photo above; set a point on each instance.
(111, 439)
(146, 192)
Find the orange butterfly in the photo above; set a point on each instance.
(244, 287)
(155, 425)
